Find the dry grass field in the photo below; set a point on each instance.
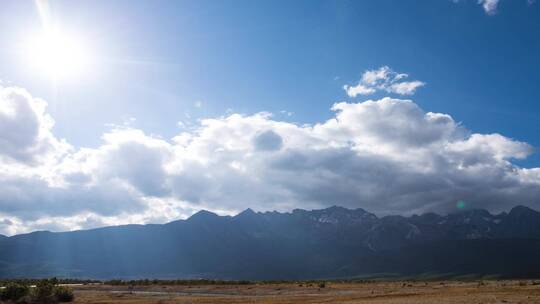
(374, 292)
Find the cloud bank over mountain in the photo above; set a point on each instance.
(386, 155)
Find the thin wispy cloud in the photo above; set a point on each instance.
(383, 79)
(490, 7)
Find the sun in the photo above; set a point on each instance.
(57, 54)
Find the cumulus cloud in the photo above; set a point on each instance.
(268, 141)
(25, 128)
(383, 79)
(387, 156)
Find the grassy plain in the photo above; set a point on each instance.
(444, 292)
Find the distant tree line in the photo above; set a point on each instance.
(25, 281)
(148, 282)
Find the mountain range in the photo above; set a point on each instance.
(319, 244)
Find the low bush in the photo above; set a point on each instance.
(48, 292)
(14, 292)
(63, 294)
(44, 292)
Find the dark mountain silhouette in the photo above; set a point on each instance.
(329, 243)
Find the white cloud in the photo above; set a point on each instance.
(387, 156)
(359, 89)
(383, 79)
(287, 113)
(25, 128)
(490, 6)
(405, 88)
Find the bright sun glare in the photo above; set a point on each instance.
(56, 54)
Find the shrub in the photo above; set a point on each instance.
(44, 293)
(14, 292)
(63, 294)
(48, 292)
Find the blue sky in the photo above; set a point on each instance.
(156, 64)
(271, 56)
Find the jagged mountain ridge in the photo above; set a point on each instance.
(332, 242)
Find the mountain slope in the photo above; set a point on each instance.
(332, 242)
